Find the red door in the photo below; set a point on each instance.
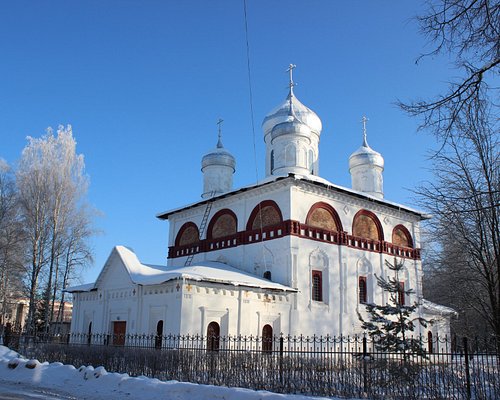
(213, 336)
(267, 339)
(119, 329)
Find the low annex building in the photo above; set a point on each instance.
(293, 254)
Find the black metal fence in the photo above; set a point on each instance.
(322, 366)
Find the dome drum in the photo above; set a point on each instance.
(292, 127)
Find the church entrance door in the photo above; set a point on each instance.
(119, 329)
(267, 339)
(213, 335)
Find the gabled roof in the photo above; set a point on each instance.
(207, 271)
(312, 179)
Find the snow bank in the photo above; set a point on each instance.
(88, 382)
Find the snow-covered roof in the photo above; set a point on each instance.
(207, 271)
(87, 287)
(307, 178)
(433, 308)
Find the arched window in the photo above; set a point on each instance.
(317, 286)
(267, 275)
(188, 234)
(267, 213)
(223, 223)
(430, 348)
(366, 225)
(213, 336)
(323, 215)
(267, 339)
(401, 236)
(159, 334)
(272, 161)
(302, 157)
(363, 295)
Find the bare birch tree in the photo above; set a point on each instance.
(11, 240)
(52, 186)
(76, 254)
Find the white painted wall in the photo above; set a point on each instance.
(188, 307)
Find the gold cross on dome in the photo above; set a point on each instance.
(188, 287)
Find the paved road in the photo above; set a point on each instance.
(13, 391)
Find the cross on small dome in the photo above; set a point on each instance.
(364, 120)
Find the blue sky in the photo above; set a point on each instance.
(144, 82)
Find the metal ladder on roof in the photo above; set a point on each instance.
(201, 231)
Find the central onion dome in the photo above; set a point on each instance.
(218, 167)
(291, 134)
(292, 109)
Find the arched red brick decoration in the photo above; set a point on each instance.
(401, 236)
(323, 215)
(268, 212)
(223, 223)
(366, 225)
(188, 234)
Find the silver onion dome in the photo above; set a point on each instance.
(218, 157)
(291, 106)
(365, 155)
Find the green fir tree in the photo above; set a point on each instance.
(391, 326)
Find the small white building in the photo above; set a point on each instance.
(293, 254)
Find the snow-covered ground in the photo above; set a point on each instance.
(87, 382)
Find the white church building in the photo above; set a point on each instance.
(293, 254)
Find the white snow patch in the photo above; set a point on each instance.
(88, 382)
(206, 271)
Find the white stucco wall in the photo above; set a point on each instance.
(187, 307)
(290, 258)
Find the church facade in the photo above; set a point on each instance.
(293, 254)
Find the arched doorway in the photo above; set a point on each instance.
(159, 334)
(430, 344)
(213, 336)
(267, 339)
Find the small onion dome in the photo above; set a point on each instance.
(366, 156)
(292, 107)
(218, 157)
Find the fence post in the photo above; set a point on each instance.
(467, 372)
(365, 367)
(281, 359)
